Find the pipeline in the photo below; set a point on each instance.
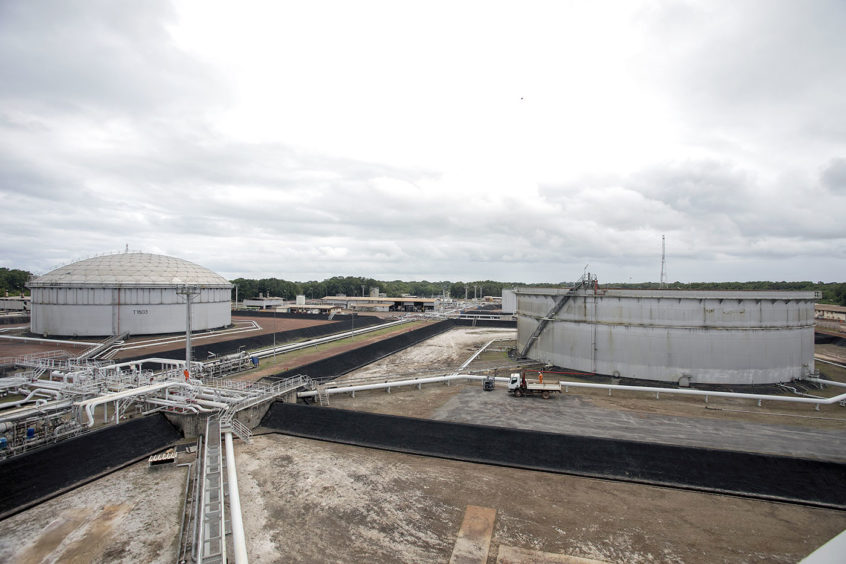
(195, 409)
(321, 340)
(797, 392)
(32, 394)
(92, 403)
(609, 387)
(237, 523)
(826, 382)
(397, 384)
(829, 362)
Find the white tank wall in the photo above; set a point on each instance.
(91, 311)
(509, 301)
(706, 337)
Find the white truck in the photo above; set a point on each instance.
(520, 386)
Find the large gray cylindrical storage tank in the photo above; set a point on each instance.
(134, 292)
(685, 337)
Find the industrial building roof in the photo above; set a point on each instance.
(131, 269)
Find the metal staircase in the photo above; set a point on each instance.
(104, 346)
(212, 532)
(559, 304)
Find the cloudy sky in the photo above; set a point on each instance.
(439, 140)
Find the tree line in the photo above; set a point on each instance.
(358, 286)
(13, 281)
(832, 292)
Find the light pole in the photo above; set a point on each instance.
(190, 292)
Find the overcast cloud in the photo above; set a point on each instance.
(461, 141)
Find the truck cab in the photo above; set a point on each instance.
(515, 382)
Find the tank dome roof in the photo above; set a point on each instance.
(131, 269)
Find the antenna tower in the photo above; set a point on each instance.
(663, 281)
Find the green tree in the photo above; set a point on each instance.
(14, 281)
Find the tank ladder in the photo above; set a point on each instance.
(544, 321)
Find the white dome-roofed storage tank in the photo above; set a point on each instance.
(134, 292)
(686, 337)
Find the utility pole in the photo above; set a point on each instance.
(663, 263)
(190, 292)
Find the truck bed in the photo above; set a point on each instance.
(548, 386)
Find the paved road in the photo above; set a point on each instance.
(574, 414)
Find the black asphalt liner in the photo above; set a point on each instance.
(774, 478)
(504, 323)
(32, 478)
(331, 367)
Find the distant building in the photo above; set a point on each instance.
(15, 303)
(405, 303)
(262, 302)
(830, 312)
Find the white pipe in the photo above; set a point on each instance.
(214, 404)
(762, 397)
(166, 403)
(322, 340)
(396, 384)
(829, 362)
(206, 394)
(181, 401)
(162, 361)
(238, 537)
(27, 399)
(38, 339)
(649, 389)
(91, 403)
(827, 382)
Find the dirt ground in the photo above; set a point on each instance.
(339, 503)
(442, 353)
(10, 348)
(266, 326)
(130, 516)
